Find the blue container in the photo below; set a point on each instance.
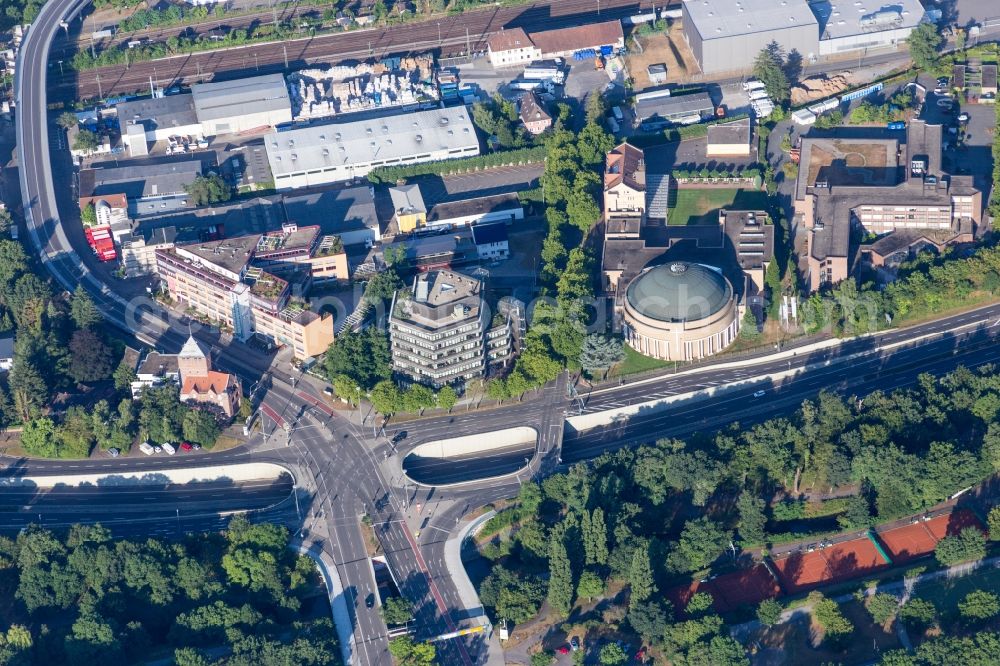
(606, 50)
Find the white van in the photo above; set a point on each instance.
(146, 448)
(169, 448)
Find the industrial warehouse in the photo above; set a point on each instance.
(726, 35)
(335, 153)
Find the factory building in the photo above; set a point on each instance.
(727, 35)
(340, 152)
(243, 105)
(159, 117)
(854, 26)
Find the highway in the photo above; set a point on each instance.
(457, 31)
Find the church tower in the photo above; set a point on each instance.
(193, 361)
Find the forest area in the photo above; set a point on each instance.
(638, 523)
(236, 598)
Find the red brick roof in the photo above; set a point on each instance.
(579, 37)
(625, 164)
(216, 382)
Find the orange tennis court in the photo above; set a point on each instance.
(907, 542)
(747, 587)
(842, 561)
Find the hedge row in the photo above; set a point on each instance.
(461, 165)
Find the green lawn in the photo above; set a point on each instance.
(635, 362)
(946, 593)
(696, 206)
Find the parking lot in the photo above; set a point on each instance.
(968, 145)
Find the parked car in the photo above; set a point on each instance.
(114, 453)
(157, 448)
(196, 446)
(574, 643)
(186, 446)
(169, 448)
(147, 448)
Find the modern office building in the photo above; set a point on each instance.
(680, 311)
(442, 331)
(323, 154)
(853, 184)
(242, 105)
(218, 280)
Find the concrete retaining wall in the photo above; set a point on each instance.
(235, 472)
(487, 441)
(335, 591)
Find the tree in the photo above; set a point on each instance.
(86, 141)
(91, 359)
(67, 119)
(363, 356)
(600, 352)
(769, 67)
(700, 543)
(397, 610)
(560, 577)
(383, 285)
(648, 618)
(979, 605)
(512, 597)
(698, 604)
(210, 189)
(406, 652)
(544, 658)
(882, 607)
(918, 612)
(417, 398)
(38, 438)
(82, 309)
(924, 42)
(640, 575)
(769, 612)
(591, 585)
(967, 545)
(200, 427)
(124, 376)
(827, 614)
(993, 523)
(446, 398)
(386, 398)
(28, 388)
(752, 518)
(88, 216)
(188, 656)
(613, 655)
(857, 513)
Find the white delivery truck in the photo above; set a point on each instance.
(169, 448)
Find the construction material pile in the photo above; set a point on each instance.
(820, 87)
(317, 93)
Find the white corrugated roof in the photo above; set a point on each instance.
(846, 18)
(396, 137)
(225, 99)
(716, 19)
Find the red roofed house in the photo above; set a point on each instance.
(202, 385)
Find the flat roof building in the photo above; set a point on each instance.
(674, 108)
(348, 212)
(846, 26)
(873, 185)
(729, 139)
(242, 105)
(727, 35)
(150, 190)
(160, 117)
(339, 152)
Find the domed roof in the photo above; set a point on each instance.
(679, 291)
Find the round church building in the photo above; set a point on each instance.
(680, 311)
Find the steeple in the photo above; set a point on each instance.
(193, 361)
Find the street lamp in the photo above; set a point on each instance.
(439, 33)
